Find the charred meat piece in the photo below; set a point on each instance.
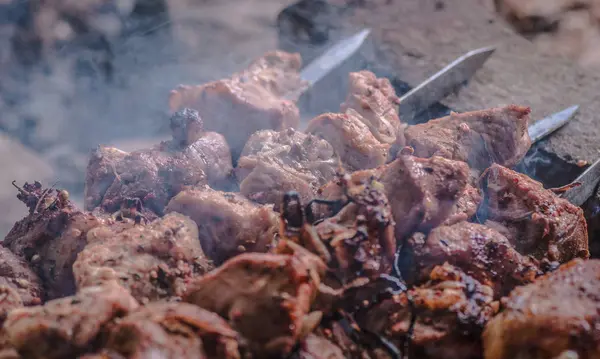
(66, 327)
(274, 163)
(535, 220)
(153, 261)
(376, 101)
(155, 175)
(423, 192)
(465, 207)
(173, 330)
(249, 101)
(317, 347)
(480, 138)
(17, 275)
(443, 318)
(555, 317)
(265, 297)
(351, 139)
(50, 237)
(477, 250)
(228, 224)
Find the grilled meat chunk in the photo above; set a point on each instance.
(154, 261)
(173, 330)
(66, 327)
(274, 163)
(193, 157)
(477, 250)
(423, 192)
(265, 297)
(480, 138)
(249, 101)
(16, 275)
(465, 207)
(535, 220)
(443, 318)
(376, 102)
(50, 237)
(317, 347)
(350, 138)
(555, 317)
(228, 224)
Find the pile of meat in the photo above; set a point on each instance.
(359, 237)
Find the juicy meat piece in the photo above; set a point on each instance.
(50, 237)
(317, 347)
(376, 102)
(423, 192)
(273, 163)
(555, 315)
(480, 138)
(535, 220)
(249, 101)
(16, 276)
(351, 139)
(477, 250)
(191, 158)
(153, 261)
(173, 330)
(449, 312)
(465, 207)
(63, 328)
(228, 224)
(265, 297)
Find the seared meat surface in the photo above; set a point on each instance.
(376, 101)
(477, 250)
(155, 175)
(480, 138)
(66, 327)
(18, 280)
(350, 138)
(265, 297)
(557, 315)
(249, 101)
(273, 163)
(535, 220)
(442, 318)
(465, 207)
(317, 347)
(152, 261)
(228, 224)
(173, 331)
(50, 237)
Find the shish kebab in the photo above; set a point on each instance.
(430, 91)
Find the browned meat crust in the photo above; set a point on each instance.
(173, 331)
(274, 163)
(535, 220)
(228, 224)
(50, 238)
(249, 101)
(558, 314)
(65, 327)
(376, 101)
(480, 252)
(153, 261)
(351, 139)
(465, 207)
(497, 135)
(16, 275)
(443, 318)
(317, 347)
(265, 297)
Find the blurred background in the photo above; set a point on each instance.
(78, 73)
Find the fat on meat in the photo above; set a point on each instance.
(228, 223)
(152, 261)
(480, 138)
(535, 220)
